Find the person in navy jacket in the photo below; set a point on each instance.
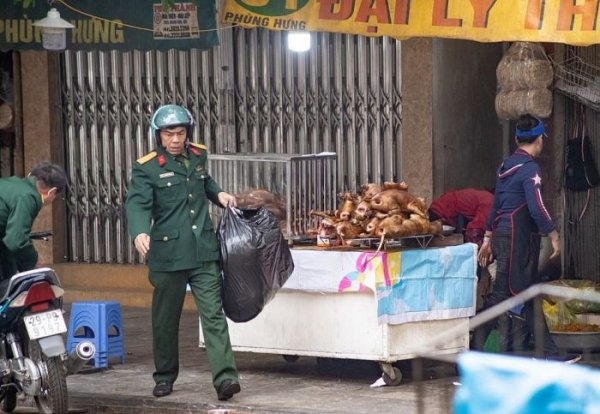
(516, 220)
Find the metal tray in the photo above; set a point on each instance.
(447, 230)
(421, 240)
(577, 341)
(303, 241)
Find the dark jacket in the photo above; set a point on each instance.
(20, 203)
(518, 183)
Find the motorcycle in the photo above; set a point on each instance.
(33, 358)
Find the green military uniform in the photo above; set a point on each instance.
(173, 194)
(20, 203)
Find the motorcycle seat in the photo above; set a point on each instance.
(21, 281)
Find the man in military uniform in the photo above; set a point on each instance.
(21, 200)
(167, 212)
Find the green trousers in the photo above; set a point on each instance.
(167, 304)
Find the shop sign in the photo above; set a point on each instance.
(122, 25)
(561, 21)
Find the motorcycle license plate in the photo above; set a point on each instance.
(41, 325)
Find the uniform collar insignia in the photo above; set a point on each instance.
(162, 160)
(194, 150)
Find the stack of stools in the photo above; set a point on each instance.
(100, 323)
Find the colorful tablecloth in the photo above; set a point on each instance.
(411, 285)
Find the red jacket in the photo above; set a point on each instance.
(472, 204)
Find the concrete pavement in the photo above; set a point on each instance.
(269, 384)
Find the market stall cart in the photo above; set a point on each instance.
(367, 305)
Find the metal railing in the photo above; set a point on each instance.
(532, 293)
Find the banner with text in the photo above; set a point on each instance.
(134, 24)
(561, 21)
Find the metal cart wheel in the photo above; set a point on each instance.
(392, 375)
(290, 358)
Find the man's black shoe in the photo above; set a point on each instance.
(567, 359)
(227, 389)
(162, 389)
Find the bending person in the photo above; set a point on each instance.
(21, 200)
(466, 210)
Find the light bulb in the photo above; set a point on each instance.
(298, 41)
(54, 34)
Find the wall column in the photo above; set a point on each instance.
(417, 117)
(42, 138)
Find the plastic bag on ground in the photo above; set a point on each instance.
(256, 261)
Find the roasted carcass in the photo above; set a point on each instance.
(387, 210)
(398, 202)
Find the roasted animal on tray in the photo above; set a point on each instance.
(390, 185)
(368, 191)
(436, 227)
(348, 230)
(392, 226)
(398, 201)
(330, 218)
(387, 210)
(326, 231)
(362, 211)
(371, 226)
(345, 229)
(349, 201)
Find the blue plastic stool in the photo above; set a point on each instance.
(100, 323)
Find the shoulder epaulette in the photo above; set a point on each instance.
(143, 160)
(204, 147)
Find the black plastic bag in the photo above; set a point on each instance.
(581, 171)
(256, 261)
